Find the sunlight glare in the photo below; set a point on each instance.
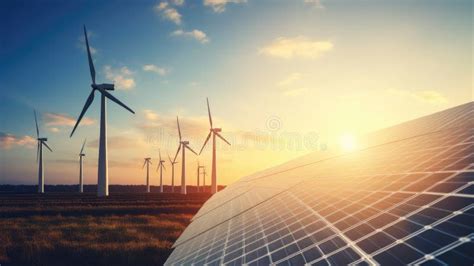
(348, 142)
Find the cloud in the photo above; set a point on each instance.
(198, 35)
(168, 12)
(314, 3)
(299, 47)
(218, 6)
(8, 141)
(156, 69)
(290, 80)
(122, 78)
(177, 2)
(427, 96)
(55, 119)
(82, 43)
(150, 115)
(288, 85)
(54, 129)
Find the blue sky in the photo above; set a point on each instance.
(332, 67)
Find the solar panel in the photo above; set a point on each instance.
(405, 197)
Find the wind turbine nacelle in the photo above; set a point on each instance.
(147, 158)
(43, 139)
(185, 142)
(82, 154)
(104, 86)
(217, 130)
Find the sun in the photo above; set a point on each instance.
(348, 142)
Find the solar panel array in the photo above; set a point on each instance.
(407, 197)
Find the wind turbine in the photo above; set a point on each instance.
(204, 179)
(102, 175)
(185, 145)
(214, 132)
(199, 167)
(81, 181)
(39, 157)
(172, 162)
(160, 166)
(147, 162)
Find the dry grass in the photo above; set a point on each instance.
(84, 239)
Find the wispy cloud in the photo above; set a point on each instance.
(177, 2)
(314, 3)
(198, 35)
(427, 96)
(8, 141)
(56, 119)
(292, 85)
(150, 115)
(156, 69)
(290, 80)
(122, 78)
(299, 47)
(54, 129)
(82, 42)
(168, 12)
(219, 6)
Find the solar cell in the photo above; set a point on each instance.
(405, 197)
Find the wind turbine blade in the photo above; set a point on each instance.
(37, 129)
(91, 64)
(169, 157)
(159, 152)
(191, 149)
(111, 97)
(222, 138)
(179, 129)
(162, 165)
(84, 109)
(177, 152)
(205, 142)
(46, 145)
(83, 144)
(144, 164)
(209, 112)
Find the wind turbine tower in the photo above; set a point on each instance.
(172, 162)
(39, 157)
(161, 165)
(81, 179)
(214, 132)
(199, 167)
(147, 162)
(183, 144)
(102, 173)
(204, 179)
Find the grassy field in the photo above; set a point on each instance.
(73, 229)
